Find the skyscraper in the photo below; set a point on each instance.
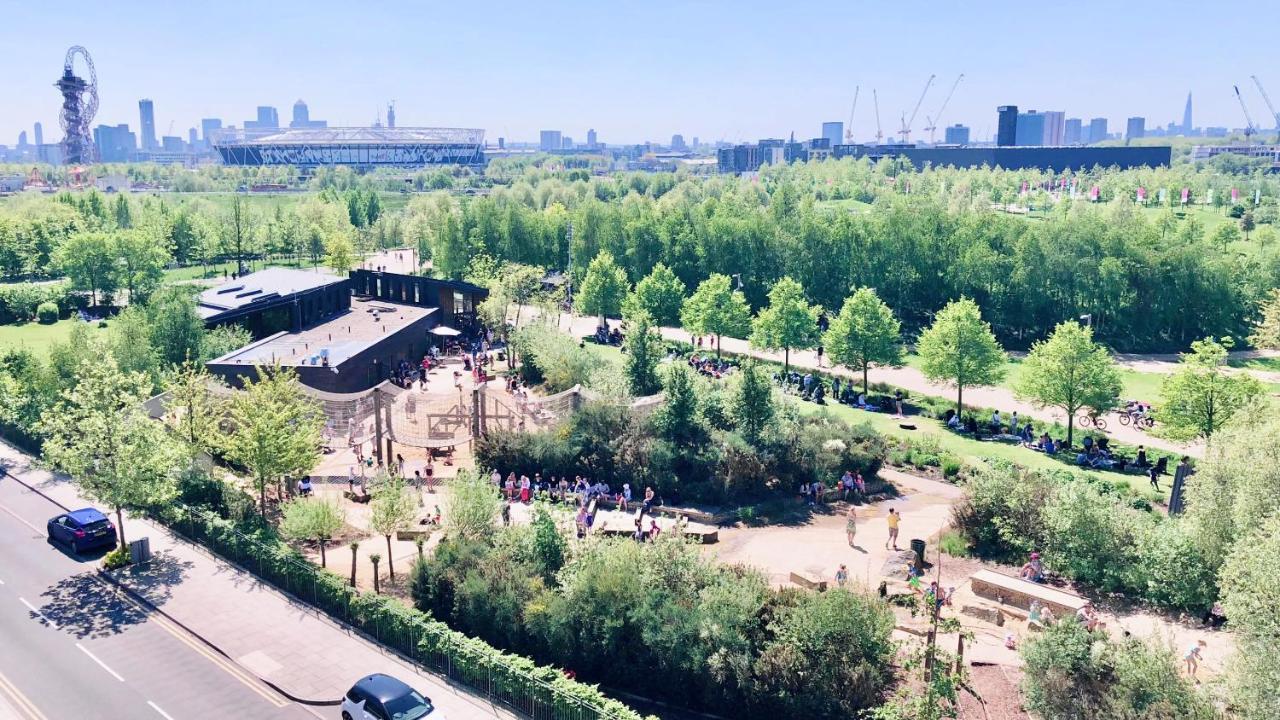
(1097, 130)
(115, 143)
(22, 139)
(833, 132)
(1030, 129)
(1007, 129)
(209, 126)
(677, 142)
(1073, 132)
(301, 116)
(192, 139)
(1054, 127)
(956, 135)
(268, 119)
(1135, 128)
(39, 135)
(592, 139)
(549, 140)
(1187, 127)
(147, 112)
(391, 115)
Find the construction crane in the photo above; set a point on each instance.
(848, 129)
(906, 125)
(1248, 121)
(1267, 99)
(876, 101)
(933, 122)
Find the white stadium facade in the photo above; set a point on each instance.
(363, 148)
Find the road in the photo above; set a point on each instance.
(73, 647)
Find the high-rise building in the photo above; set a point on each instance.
(592, 139)
(171, 144)
(1135, 128)
(833, 132)
(695, 144)
(192, 139)
(1187, 127)
(115, 143)
(208, 126)
(1030, 129)
(1097, 130)
(677, 143)
(391, 115)
(549, 140)
(1054, 127)
(1073, 132)
(566, 143)
(147, 113)
(22, 140)
(301, 115)
(268, 119)
(1007, 132)
(39, 135)
(956, 135)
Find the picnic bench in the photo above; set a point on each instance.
(1018, 593)
(808, 580)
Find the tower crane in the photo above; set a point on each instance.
(933, 122)
(906, 126)
(1267, 99)
(876, 101)
(848, 129)
(1248, 121)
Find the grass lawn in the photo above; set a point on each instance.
(36, 337)
(197, 272)
(1268, 364)
(1139, 385)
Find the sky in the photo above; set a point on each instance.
(638, 71)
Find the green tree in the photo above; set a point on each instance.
(959, 348)
(89, 261)
(391, 510)
(312, 519)
(549, 546)
(222, 340)
(642, 351)
(1266, 331)
(603, 288)
(1247, 224)
(238, 231)
(124, 217)
(715, 308)
(100, 434)
(129, 339)
(865, 332)
(751, 404)
(1255, 670)
(1201, 395)
(1070, 371)
(659, 294)
(677, 418)
(177, 330)
(141, 263)
(788, 322)
(275, 429)
(339, 254)
(192, 409)
(471, 507)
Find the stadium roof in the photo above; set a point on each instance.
(264, 285)
(363, 136)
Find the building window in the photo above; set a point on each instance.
(459, 303)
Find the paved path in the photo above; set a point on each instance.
(264, 634)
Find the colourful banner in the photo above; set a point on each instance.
(1093, 193)
(1235, 195)
(1142, 194)
(1186, 195)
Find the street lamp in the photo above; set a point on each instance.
(738, 277)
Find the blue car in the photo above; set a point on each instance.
(81, 530)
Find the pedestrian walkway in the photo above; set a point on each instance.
(289, 645)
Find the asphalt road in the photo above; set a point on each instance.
(72, 647)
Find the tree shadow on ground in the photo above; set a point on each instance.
(156, 578)
(87, 607)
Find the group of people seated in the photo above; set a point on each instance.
(608, 336)
(849, 484)
(710, 365)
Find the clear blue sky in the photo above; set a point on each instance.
(635, 71)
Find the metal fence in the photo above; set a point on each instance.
(425, 642)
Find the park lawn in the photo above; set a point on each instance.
(1268, 364)
(36, 337)
(216, 270)
(1136, 385)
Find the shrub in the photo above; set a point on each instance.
(117, 558)
(1001, 514)
(47, 313)
(1088, 537)
(952, 542)
(951, 466)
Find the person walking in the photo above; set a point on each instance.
(1193, 658)
(842, 576)
(893, 519)
(850, 525)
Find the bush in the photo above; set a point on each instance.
(117, 558)
(952, 542)
(47, 313)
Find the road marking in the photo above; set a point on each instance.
(22, 702)
(38, 614)
(21, 519)
(163, 714)
(104, 666)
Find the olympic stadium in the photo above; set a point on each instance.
(362, 148)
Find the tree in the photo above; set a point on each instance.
(392, 509)
(100, 434)
(1247, 224)
(642, 350)
(549, 546)
(141, 263)
(715, 308)
(1201, 396)
(959, 348)
(339, 254)
(312, 519)
(1255, 670)
(177, 330)
(275, 429)
(603, 288)
(1070, 371)
(659, 294)
(88, 260)
(788, 322)
(192, 409)
(238, 230)
(519, 284)
(677, 418)
(471, 507)
(752, 401)
(864, 332)
(1266, 331)
(222, 340)
(124, 218)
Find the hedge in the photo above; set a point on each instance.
(516, 681)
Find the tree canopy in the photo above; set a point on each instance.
(959, 348)
(658, 294)
(715, 308)
(1202, 394)
(603, 288)
(864, 333)
(788, 322)
(1070, 371)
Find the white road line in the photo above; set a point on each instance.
(39, 614)
(163, 714)
(94, 658)
(21, 519)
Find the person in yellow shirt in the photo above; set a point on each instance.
(893, 519)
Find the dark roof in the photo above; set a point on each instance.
(261, 286)
(383, 687)
(85, 516)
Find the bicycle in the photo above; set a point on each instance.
(1086, 419)
(1138, 420)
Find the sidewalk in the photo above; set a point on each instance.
(283, 642)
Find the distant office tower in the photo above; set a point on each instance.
(192, 139)
(391, 115)
(1135, 128)
(171, 144)
(549, 140)
(301, 115)
(566, 143)
(209, 126)
(1007, 129)
(1054, 127)
(268, 119)
(833, 132)
(592, 139)
(502, 143)
(1097, 130)
(39, 135)
(1073, 132)
(115, 143)
(677, 142)
(957, 135)
(1030, 129)
(22, 139)
(695, 144)
(147, 112)
(1187, 128)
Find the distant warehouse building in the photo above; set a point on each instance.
(362, 148)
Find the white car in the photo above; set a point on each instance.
(382, 697)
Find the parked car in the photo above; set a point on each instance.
(81, 530)
(382, 697)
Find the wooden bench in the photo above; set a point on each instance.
(806, 579)
(1016, 592)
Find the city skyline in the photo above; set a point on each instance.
(509, 79)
